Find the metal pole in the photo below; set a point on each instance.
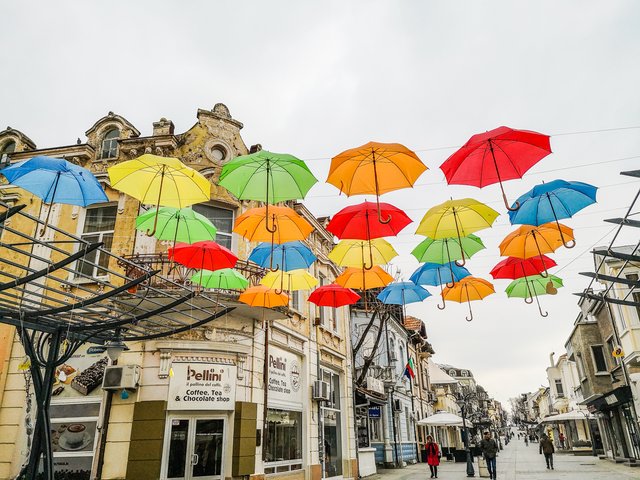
(470, 471)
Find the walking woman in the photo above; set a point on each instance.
(433, 456)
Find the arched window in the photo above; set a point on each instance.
(110, 144)
(392, 349)
(401, 358)
(464, 373)
(8, 148)
(452, 373)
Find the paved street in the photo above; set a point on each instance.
(520, 462)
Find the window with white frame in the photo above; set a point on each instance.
(99, 226)
(222, 219)
(109, 147)
(332, 431)
(559, 388)
(283, 441)
(635, 295)
(295, 300)
(375, 429)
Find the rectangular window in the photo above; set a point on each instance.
(332, 432)
(407, 418)
(283, 441)
(295, 300)
(222, 218)
(99, 225)
(559, 388)
(599, 359)
(635, 295)
(375, 429)
(362, 421)
(580, 366)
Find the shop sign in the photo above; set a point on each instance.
(80, 376)
(375, 385)
(202, 386)
(285, 376)
(374, 412)
(611, 399)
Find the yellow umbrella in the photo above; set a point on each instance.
(467, 290)
(351, 253)
(456, 219)
(293, 280)
(163, 181)
(256, 227)
(261, 296)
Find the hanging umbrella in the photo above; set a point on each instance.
(333, 295)
(351, 253)
(268, 177)
(467, 290)
(513, 267)
(530, 287)
(457, 219)
(446, 250)
(204, 255)
(435, 274)
(177, 225)
(553, 201)
(55, 180)
(375, 168)
(261, 296)
(530, 241)
(225, 279)
(291, 281)
(361, 279)
(286, 256)
(254, 225)
(401, 293)
(496, 156)
(160, 181)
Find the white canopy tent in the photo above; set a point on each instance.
(564, 417)
(441, 419)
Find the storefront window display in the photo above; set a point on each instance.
(283, 441)
(332, 430)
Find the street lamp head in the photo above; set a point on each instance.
(115, 347)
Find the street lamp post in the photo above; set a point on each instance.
(463, 399)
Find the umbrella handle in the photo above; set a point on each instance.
(444, 304)
(546, 272)
(155, 221)
(529, 299)
(470, 317)
(364, 265)
(275, 227)
(572, 243)
(53, 196)
(504, 195)
(380, 219)
(542, 314)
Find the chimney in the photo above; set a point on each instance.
(553, 364)
(163, 127)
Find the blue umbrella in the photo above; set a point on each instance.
(401, 293)
(55, 180)
(435, 274)
(287, 256)
(550, 202)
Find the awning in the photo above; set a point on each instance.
(612, 399)
(442, 419)
(565, 417)
(437, 376)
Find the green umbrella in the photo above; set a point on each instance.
(178, 225)
(447, 250)
(267, 177)
(226, 278)
(532, 286)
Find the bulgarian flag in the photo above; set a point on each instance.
(409, 369)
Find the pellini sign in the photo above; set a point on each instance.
(285, 376)
(202, 386)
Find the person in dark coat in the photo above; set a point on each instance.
(489, 449)
(433, 456)
(546, 447)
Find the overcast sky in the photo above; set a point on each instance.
(315, 78)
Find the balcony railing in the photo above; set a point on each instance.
(177, 273)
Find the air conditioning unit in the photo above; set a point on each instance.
(118, 377)
(397, 405)
(321, 391)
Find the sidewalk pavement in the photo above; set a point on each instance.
(519, 462)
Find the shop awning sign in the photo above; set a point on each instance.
(202, 386)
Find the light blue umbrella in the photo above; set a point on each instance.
(401, 293)
(435, 274)
(553, 201)
(55, 180)
(286, 256)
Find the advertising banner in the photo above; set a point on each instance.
(202, 386)
(285, 376)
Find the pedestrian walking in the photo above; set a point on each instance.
(561, 438)
(489, 449)
(433, 456)
(526, 441)
(546, 447)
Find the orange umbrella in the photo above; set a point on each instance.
(467, 290)
(362, 279)
(530, 241)
(375, 168)
(256, 227)
(261, 296)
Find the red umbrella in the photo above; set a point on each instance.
(495, 156)
(205, 255)
(513, 268)
(333, 295)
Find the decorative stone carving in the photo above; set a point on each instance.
(165, 364)
(221, 110)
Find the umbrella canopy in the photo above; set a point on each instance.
(177, 225)
(204, 255)
(435, 274)
(160, 181)
(286, 256)
(530, 241)
(256, 225)
(333, 295)
(356, 253)
(290, 281)
(225, 278)
(456, 218)
(553, 201)
(361, 279)
(447, 250)
(360, 222)
(513, 267)
(441, 419)
(531, 287)
(268, 177)
(467, 290)
(55, 180)
(495, 156)
(401, 293)
(261, 296)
